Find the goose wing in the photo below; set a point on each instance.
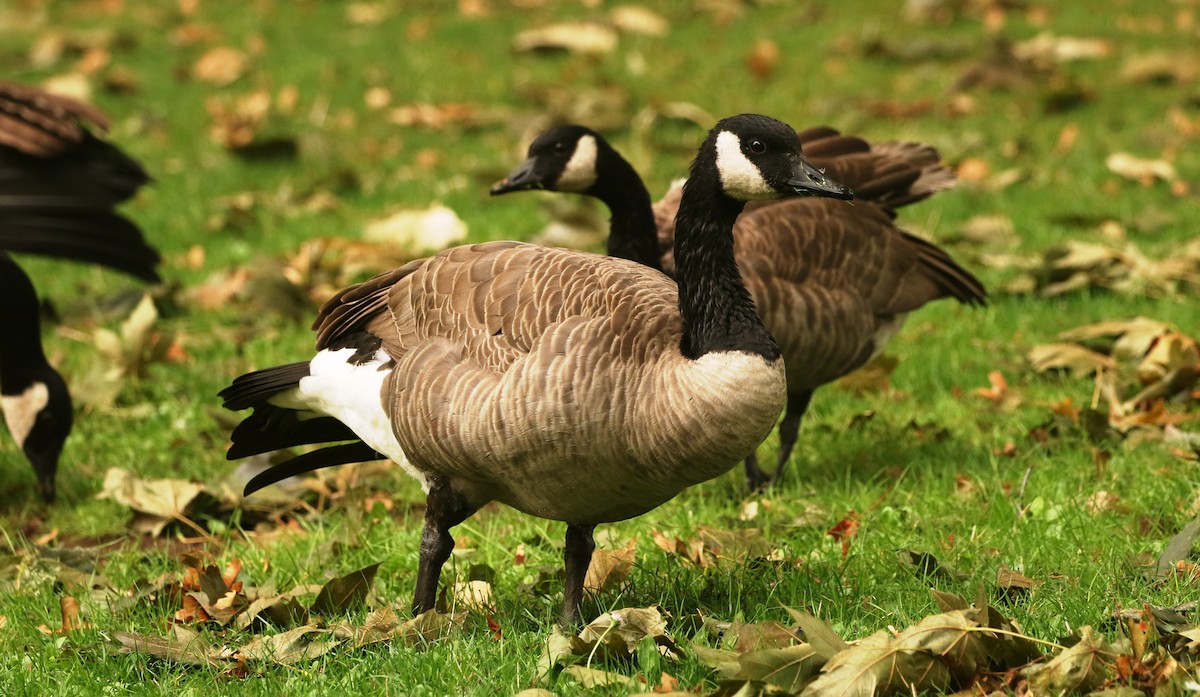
(828, 278)
(59, 183)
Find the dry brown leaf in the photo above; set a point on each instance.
(972, 170)
(1080, 668)
(1014, 583)
(293, 646)
(1048, 49)
(1160, 67)
(418, 232)
(763, 58)
(575, 37)
(1132, 337)
(475, 596)
(610, 568)
(1170, 352)
(1140, 169)
(220, 66)
(366, 13)
(637, 19)
(1075, 359)
(155, 502)
(345, 592)
(997, 389)
(440, 116)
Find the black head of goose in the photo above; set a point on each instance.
(58, 186)
(832, 281)
(570, 386)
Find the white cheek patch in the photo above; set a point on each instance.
(740, 178)
(580, 172)
(20, 411)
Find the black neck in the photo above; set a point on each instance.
(718, 313)
(21, 357)
(632, 233)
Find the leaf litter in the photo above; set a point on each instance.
(215, 626)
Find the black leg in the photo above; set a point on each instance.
(790, 427)
(444, 509)
(577, 556)
(756, 479)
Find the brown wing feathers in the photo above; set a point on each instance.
(42, 124)
(59, 184)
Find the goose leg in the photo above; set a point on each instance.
(797, 405)
(789, 428)
(444, 508)
(756, 479)
(577, 556)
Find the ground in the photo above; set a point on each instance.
(320, 117)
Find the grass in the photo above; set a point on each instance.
(858, 453)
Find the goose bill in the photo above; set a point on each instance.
(522, 178)
(807, 180)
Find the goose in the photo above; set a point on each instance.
(570, 386)
(833, 281)
(59, 184)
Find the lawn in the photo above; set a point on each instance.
(964, 462)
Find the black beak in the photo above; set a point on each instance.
(522, 178)
(807, 180)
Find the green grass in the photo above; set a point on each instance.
(901, 481)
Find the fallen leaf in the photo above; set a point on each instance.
(1080, 668)
(1075, 359)
(1140, 169)
(476, 596)
(610, 568)
(293, 646)
(185, 646)
(592, 678)
(1014, 584)
(575, 37)
(220, 66)
(636, 19)
(418, 232)
(763, 58)
(1178, 548)
(345, 592)
(845, 530)
(1049, 49)
(157, 502)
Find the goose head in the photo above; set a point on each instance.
(564, 158)
(759, 158)
(40, 419)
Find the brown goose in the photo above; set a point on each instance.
(58, 186)
(570, 386)
(832, 281)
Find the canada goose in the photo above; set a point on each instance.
(567, 385)
(832, 281)
(58, 185)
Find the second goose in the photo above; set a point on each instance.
(832, 281)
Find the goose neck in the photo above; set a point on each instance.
(632, 233)
(20, 335)
(717, 310)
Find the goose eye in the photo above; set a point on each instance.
(757, 147)
(560, 147)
